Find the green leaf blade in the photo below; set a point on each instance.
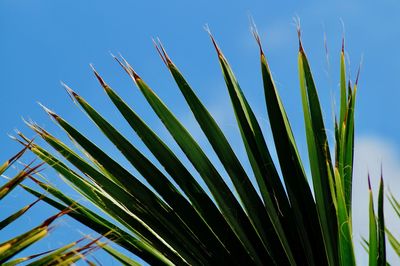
(319, 157)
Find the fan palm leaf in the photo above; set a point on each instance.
(279, 220)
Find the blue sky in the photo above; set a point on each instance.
(44, 42)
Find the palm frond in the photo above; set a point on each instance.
(280, 220)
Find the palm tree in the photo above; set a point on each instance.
(281, 220)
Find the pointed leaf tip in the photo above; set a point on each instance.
(127, 67)
(213, 41)
(27, 143)
(120, 63)
(298, 29)
(369, 182)
(258, 40)
(54, 217)
(19, 154)
(70, 92)
(301, 50)
(99, 78)
(161, 51)
(358, 73)
(343, 44)
(48, 111)
(36, 128)
(256, 35)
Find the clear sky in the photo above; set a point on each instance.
(44, 42)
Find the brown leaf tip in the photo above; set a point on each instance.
(298, 29)
(369, 182)
(120, 63)
(99, 78)
(343, 44)
(50, 112)
(29, 171)
(127, 67)
(343, 33)
(19, 154)
(70, 92)
(54, 217)
(35, 127)
(207, 29)
(40, 183)
(28, 143)
(358, 71)
(256, 35)
(161, 51)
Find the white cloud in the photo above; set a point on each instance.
(370, 154)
